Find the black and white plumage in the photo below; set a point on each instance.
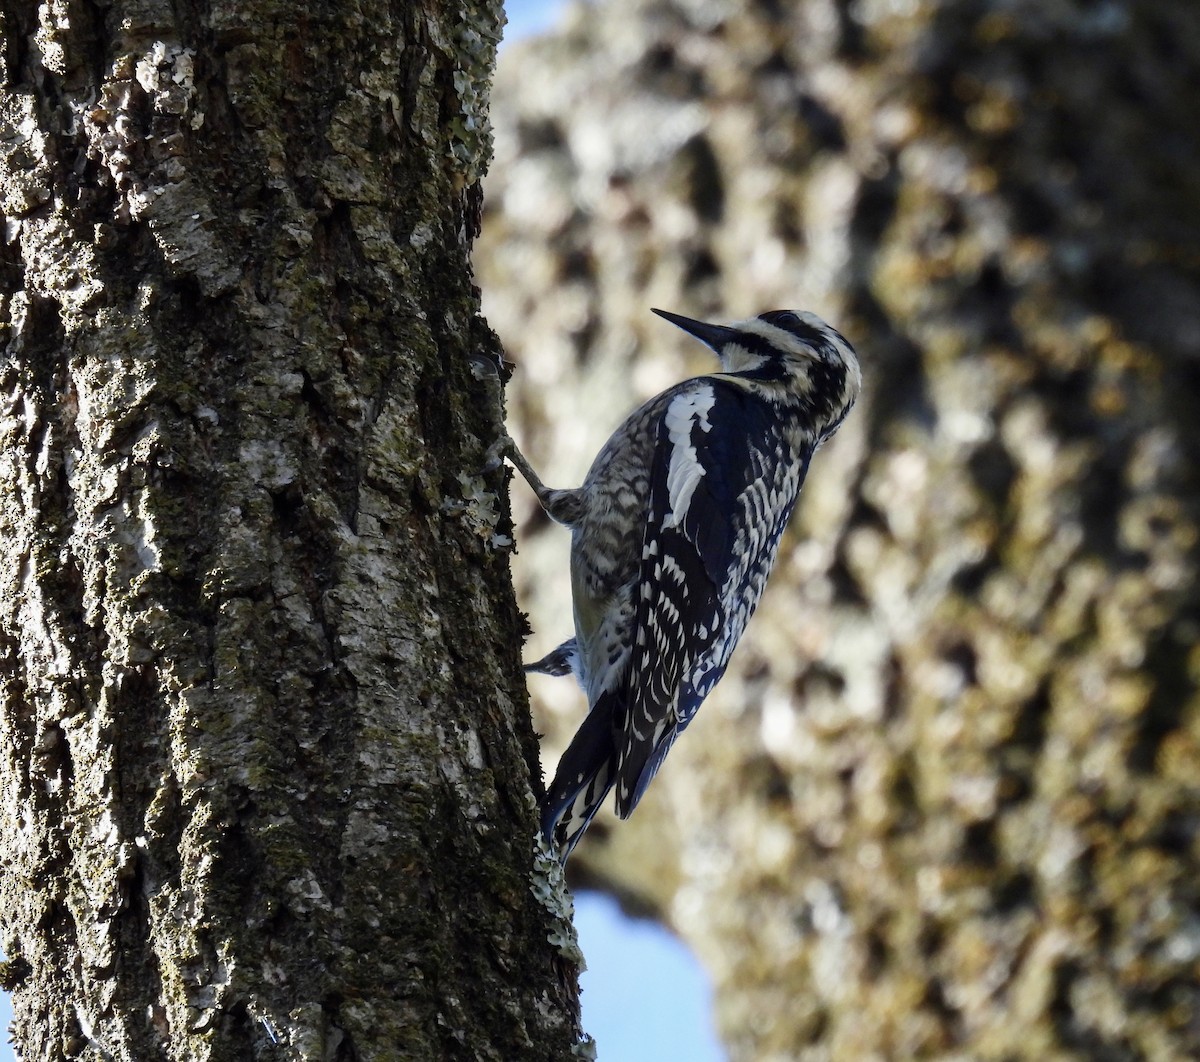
(674, 532)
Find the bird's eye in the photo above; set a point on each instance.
(782, 318)
(788, 318)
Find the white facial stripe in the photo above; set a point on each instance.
(736, 358)
(782, 339)
(684, 412)
(796, 352)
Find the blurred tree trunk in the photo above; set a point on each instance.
(264, 746)
(945, 802)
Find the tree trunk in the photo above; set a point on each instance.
(264, 744)
(944, 803)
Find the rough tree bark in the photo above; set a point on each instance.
(945, 803)
(264, 747)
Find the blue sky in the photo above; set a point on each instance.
(527, 17)
(645, 999)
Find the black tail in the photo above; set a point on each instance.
(585, 774)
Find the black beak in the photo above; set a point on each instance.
(715, 336)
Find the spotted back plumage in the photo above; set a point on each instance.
(675, 531)
(724, 481)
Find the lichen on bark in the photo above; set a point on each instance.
(265, 751)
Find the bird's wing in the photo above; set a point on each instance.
(719, 501)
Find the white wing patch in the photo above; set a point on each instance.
(683, 413)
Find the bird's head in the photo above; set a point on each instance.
(791, 348)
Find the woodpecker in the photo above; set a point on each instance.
(673, 534)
